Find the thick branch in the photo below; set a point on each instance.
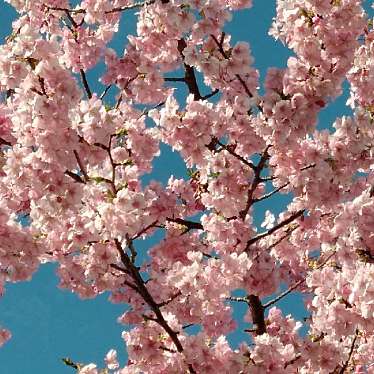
(257, 313)
(189, 77)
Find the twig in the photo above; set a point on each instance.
(169, 79)
(285, 293)
(189, 224)
(68, 362)
(81, 166)
(256, 181)
(107, 88)
(179, 293)
(297, 357)
(271, 193)
(289, 290)
(275, 228)
(206, 97)
(77, 11)
(233, 153)
(346, 363)
(308, 167)
(129, 7)
(76, 177)
(223, 53)
(85, 83)
(288, 233)
(143, 231)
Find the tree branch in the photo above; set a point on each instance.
(346, 363)
(74, 176)
(275, 228)
(206, 97)
(85, 83)
(147, 297)
(81, 166)
(129, 7)
(189, 77)
(256, 181)
(233, 153)
(257, 314)
(226, 57)
(169, 79)
(271, 193)
(189, 224)
(292, 288)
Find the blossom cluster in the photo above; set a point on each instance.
(73, 162)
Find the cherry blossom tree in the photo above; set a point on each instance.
(72, 162)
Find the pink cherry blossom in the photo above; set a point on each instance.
(73, 164)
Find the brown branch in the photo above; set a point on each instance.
(147, 297)
(143, 231)
(275, 228)
(237, 299)
(271, 193)
(114, 10)
(256, 181)
(179, 293)
(70, 18)
(146, 111)
(257, 314)
(206, 97)
(107, 88)
(85, 83)
(5, 142)
(81, 166)
(291, 362)
(308, 167)
(74, 176)
(346, 363)
(189, 77)
(233, 153)
(129, 7)
(298, 283)
(226, 57)
(77, 11)
(189, 224)
(285, 293)
(169, 79)
(288, 233)
(68, 362)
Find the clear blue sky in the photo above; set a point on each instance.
(47, 323)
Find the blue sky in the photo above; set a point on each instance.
(47, 323)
